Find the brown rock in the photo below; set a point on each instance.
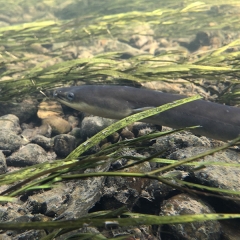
(58, 125)
(48, 109)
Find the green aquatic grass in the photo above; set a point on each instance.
(170, 20)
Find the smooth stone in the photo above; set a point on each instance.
(3, 164)
(64, 144)
(10, 141)
(44, 130)
(76, 132)
(92, 125)
(24, 110)
(220, 177)
(184, 204)
(114, 137)
(73, 121)
(140, 128)
(28, 155)
(126, 134)
(10, 122)
(44, 142)
(49, 108)
(58, 125)
(126, 190)
(51, 203)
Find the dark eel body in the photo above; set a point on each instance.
(218, 121)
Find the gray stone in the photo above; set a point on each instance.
(10, 122)
(4, 215)
(76, 132)
(84, 194)
(70, 199)
(24, 110)
(75, 233)
(30, 235)
(140, 128)
(28, 155)
(10, 141)
(127, 190)
(180, 140)
(184, 204)
(4, 236)
(64, 144)
(42, 141)
(126, 134)
(92, 125)
(230, 230)
(3, 165)
(51, 203)
(213, 175)
(28, 133)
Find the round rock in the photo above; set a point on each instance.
(3, 165)
(24, 110)
(64, 144)
(42, 141)
(92, 125)
(49, 108)
(58, 125)
(9, 141)
(28, 155)
(10, 122)
(184, 204)
(214, 175)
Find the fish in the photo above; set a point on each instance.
(216, 121)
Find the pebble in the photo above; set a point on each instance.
(178, 141)
(49, 108)
(10, 141)
(31, 234)
(24, 110)
(126, 134)
(58, 125)
(213, 175)
(182, 204)
(64, 144)
(73, 121)
(52, 122)
(50, 203)
(69, 200)
(26, 156)
(43, 141)
(44, 130)
(76, 132)
(140, 128)
(3, 165)
(10, 122)
(139, 41)
(114, 137)
(118, 190)
(92, 125)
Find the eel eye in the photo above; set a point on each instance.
(70, 96)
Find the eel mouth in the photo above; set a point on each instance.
(59, 95)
